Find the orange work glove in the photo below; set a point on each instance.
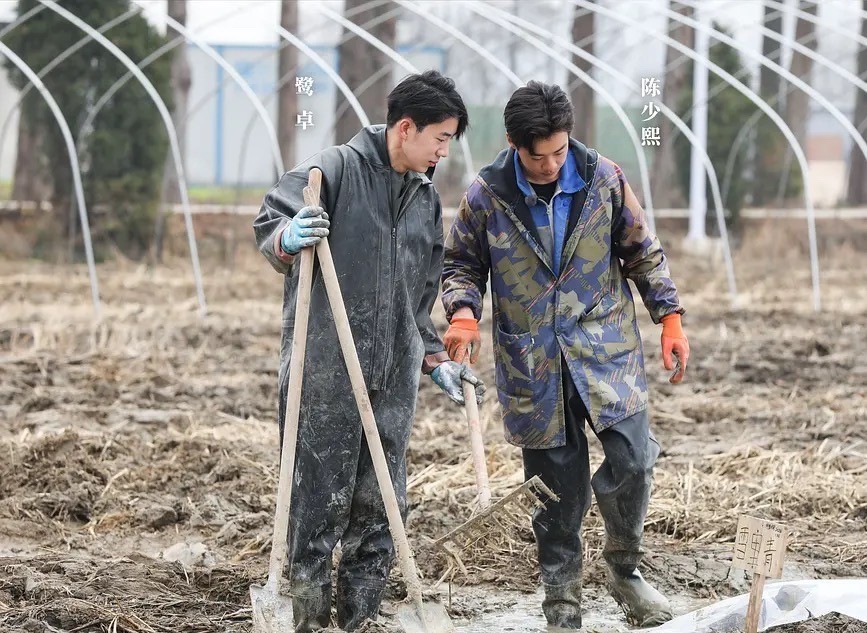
(462, 339)
(674, 342)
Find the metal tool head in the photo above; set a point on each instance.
(272, 613)
(428, 617)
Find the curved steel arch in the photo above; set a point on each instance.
(242, 84)
(752, 96)
(791, 78)
(147, 61)
(281, 43)
(317, 59)
(618, 109)
(397, 57)
(824, 60)
(785, 74)
(94, 111)
(714, 91)
(73, 162)
(53, 64)
(21, 19)
(463, 39)
(170, 129)
(809, 17)
(803, 50)
(361, 88)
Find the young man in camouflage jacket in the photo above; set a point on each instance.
(559, 231)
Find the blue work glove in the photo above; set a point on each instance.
(448, 376)
(307, 227)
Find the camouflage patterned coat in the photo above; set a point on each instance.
(585, 314)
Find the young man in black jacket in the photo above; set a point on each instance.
(383, 220)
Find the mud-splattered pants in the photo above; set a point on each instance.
(621, 484)
(335, 495)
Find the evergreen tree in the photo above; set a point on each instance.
(122, 157)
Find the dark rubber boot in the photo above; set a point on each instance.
(357, 603)
(311, 607)
(562, 605)
(642, 604)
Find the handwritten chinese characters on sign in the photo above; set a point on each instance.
(650, 135)
(759, 547)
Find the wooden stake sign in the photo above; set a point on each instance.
(759, 548)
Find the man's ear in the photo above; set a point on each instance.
(509, 141)
(404, 126)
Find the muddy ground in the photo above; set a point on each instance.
(139, 455)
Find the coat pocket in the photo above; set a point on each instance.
(515, 364)
(610, 328)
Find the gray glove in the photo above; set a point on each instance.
(307, 227)
(448, 376)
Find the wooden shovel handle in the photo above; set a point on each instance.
(293, 397)
(371, 433)
(477, 444)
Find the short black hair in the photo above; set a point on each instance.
(535, 112)
(427, 98)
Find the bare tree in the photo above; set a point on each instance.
(797, 102)
(287, 98)
(581, 94)
(677, 67)
(769, 81)
(797, 106)
(857, 190)
(31, 180)
(359, 61)
(770, 146)
(181, 82)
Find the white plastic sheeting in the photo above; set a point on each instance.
(782, 603)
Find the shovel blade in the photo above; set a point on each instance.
(272, 613)
(430, 617)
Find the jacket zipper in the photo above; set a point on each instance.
(389, 344)
(580, 213)
(408, 197)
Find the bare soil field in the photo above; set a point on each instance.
(139, 454)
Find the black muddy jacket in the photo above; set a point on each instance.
(388, 259)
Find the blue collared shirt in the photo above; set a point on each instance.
(554, 219)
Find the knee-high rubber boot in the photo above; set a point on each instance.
(562, 605)
(357, 602)
(311, 607)
(642, 604)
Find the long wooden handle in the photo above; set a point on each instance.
(293, 397)
(471, 409)
(359, 389)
